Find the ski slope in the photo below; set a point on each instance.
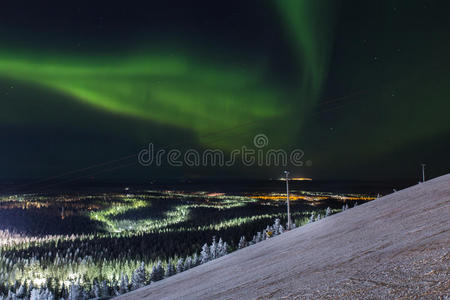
(396, 246)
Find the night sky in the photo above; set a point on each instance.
(363, 87)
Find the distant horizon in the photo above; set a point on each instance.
(203, 179)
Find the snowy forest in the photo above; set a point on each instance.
(113, 261)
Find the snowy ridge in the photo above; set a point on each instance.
(395, 246)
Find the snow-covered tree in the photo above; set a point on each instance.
(104, 290)
(35, 294)
(213, 251)
(11, 296)
(180, 265)
(187, 263)
(30, 285)
(84, 294)
(258, 237)
(96, 290)
(21, 292)
(311, 218)
(47, 295)
(276, 227)
(328, 212)
(75, 292)
(123, 287)
(39, 294)
(224, 249)
(170, 270)
(219, 247)
(157, 272)
(138, 279)
(195, 260)
(205, 254)
(64, 293)
(154, 274)
(116, 291)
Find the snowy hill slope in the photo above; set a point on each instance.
(395, 246)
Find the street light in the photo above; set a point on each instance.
(423, 172)
(287, 201)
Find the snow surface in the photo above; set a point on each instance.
(393, 247)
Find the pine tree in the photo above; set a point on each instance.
(276, 227)
(195, 260)
(30, 286)
(311, 218)
(64, 291)
(123, 287)
(116, 291)
(35, 294)
(84, 294)
(96, 290)
(219, 247)
(74, 292)
(258, 237)
(264, 234)
(224, 249)
(47, 295)
(213, 249)
(328, 212)
(170, 270)
(154, 274)
(11, 296)
(187, 263)
(205, 256)
(157, 272)
(20, 292)
(138, 279)
(180, 265)
(104, 291)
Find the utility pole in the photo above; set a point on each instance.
(287, 201)
(423, 172)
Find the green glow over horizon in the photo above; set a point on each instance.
(173, 91)
(192, 92)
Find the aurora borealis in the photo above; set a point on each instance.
(171, 90)
(357, 86)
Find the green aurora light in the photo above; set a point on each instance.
(182, 90)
